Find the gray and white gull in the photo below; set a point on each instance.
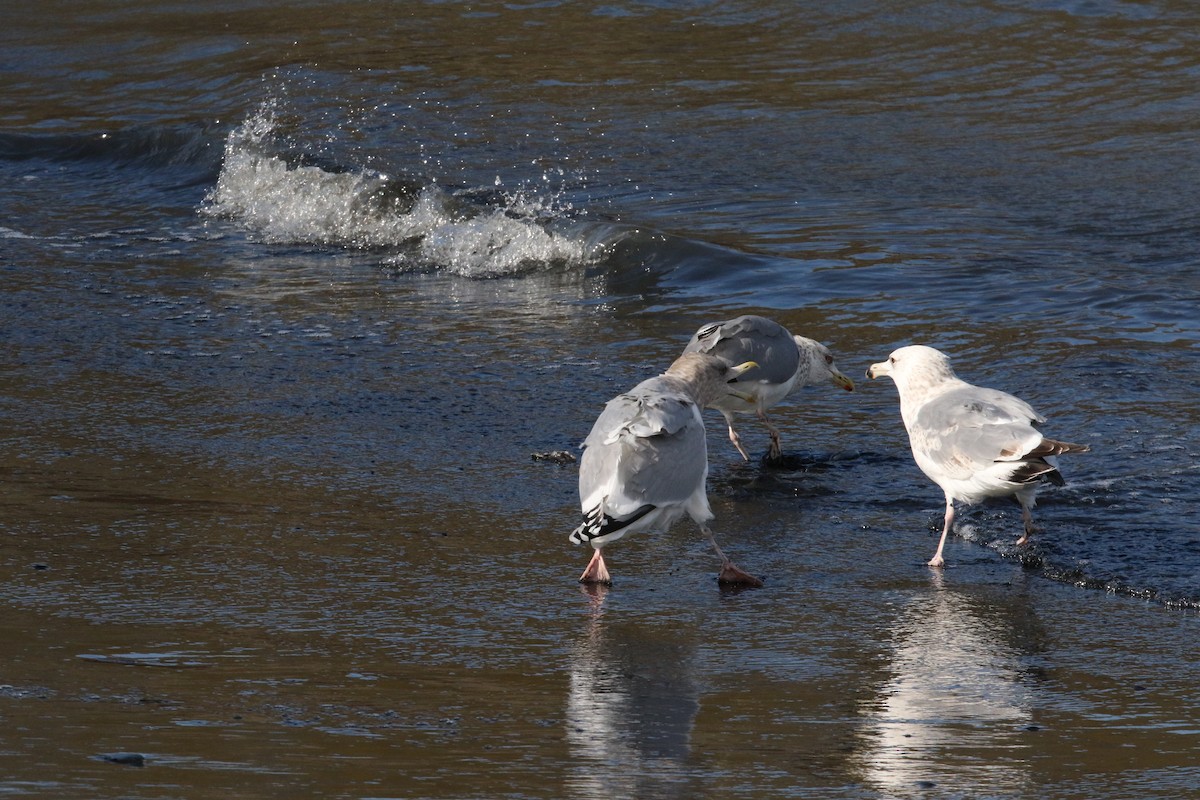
(786, 363)
(645, 461)
(973, 442)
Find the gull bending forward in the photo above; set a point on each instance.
(645, 462)
(786, 363)
(973, 442)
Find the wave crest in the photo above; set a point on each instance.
(285, 198)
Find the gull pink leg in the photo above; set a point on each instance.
(775, 452)
(937, 559)
(733, 436)
(1027, 519)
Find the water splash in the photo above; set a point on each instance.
(285, 197)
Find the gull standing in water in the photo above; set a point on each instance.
(973, 442)
(645, 461)
(786, 363)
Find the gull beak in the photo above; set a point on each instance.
(737, 371)
(882, 368)
(841, 380)
(741, 369)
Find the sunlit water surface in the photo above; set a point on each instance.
(292, 298)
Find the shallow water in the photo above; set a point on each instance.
(291, 300)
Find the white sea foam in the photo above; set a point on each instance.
(426, 226)
(9, 233)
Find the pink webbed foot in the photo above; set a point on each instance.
(596, 571)
(732, 575)
(1030, 530)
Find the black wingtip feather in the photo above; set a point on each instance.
(1034, 470)
(595, 524)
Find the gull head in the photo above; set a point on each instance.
(914, 366)
(821, 363)
(707, 375)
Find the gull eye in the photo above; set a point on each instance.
(829, 360)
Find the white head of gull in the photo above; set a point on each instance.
(973, 442)
(645, 461)
(786, 364)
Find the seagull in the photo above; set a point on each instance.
(973, 442)
(645, 461)
(786, 363)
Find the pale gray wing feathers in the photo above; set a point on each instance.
(649, 447)
(653, 415)
(750, 338)
(971, 427)
(599, 462)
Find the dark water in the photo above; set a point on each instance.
(290, 298)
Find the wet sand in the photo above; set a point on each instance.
(261, 638)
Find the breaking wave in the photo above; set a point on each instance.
(288, 199)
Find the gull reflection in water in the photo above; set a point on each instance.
(955, 715)
(631, 704)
